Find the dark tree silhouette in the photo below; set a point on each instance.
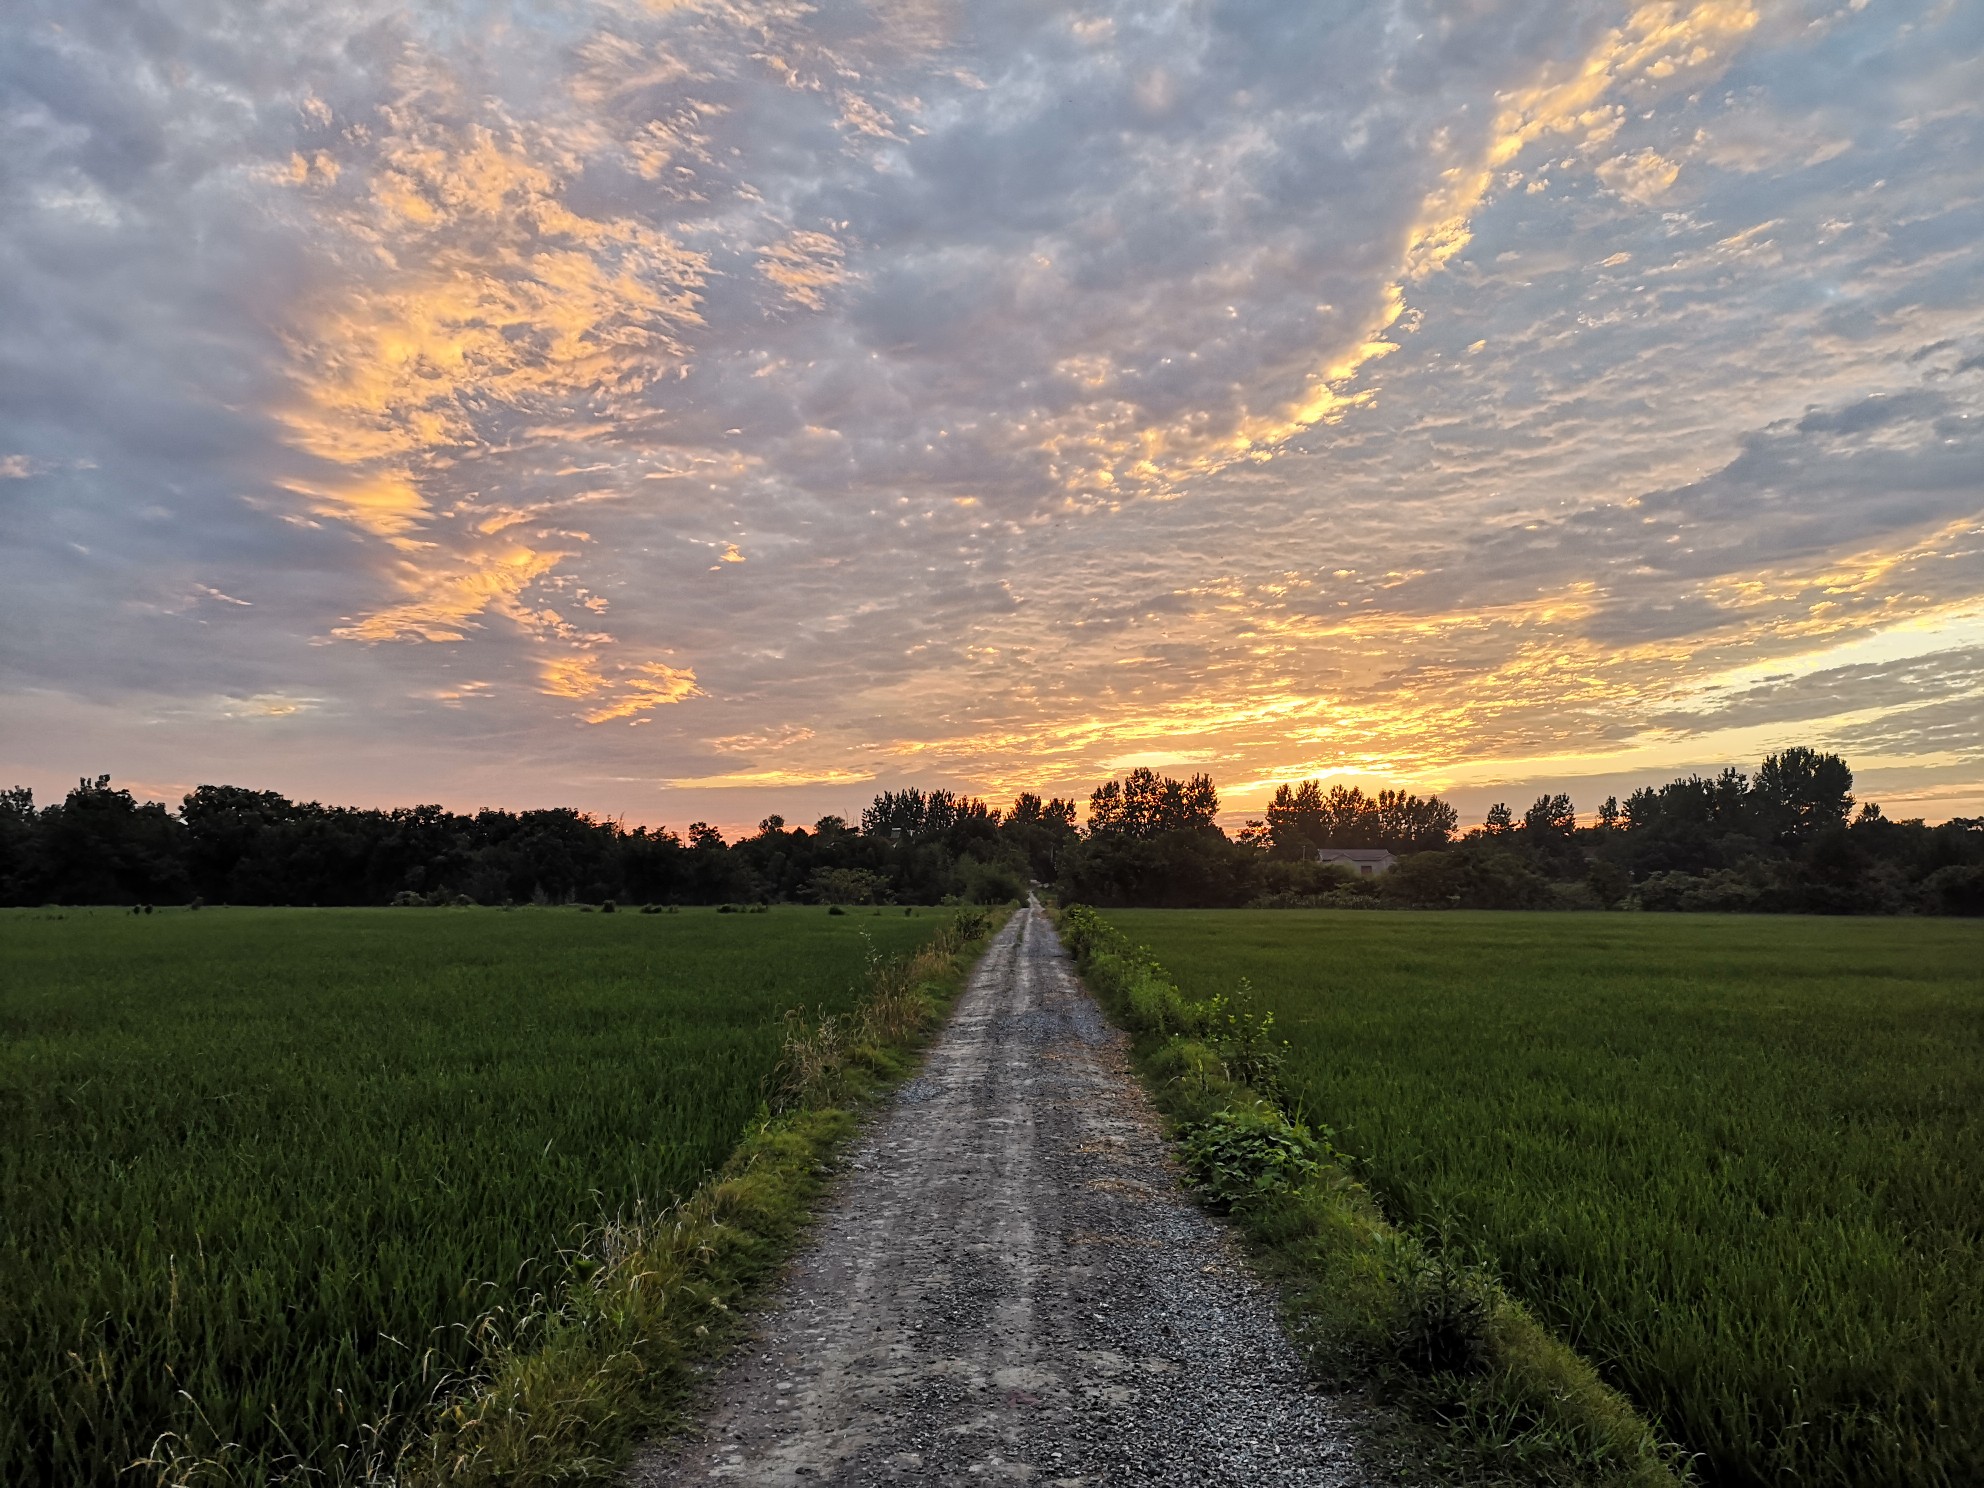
(1302, 819)
(1799, 792)
(1145, 804)
(1785, 840)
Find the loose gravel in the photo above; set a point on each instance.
(1010, 1285)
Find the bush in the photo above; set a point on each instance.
(1469, 877)
(1726, 890)
(1610, 883)
(1236, 1157)
(1957, 889)
(1243, 1037)
(982, 882)
(1574, 896)
(1305, 878)
(847, 886)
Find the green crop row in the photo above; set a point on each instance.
(1737, 1164)
(277, 1187)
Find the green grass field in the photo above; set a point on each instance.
(262, 1170)
(1738, 1162)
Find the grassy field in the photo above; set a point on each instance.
(262, 1171)
(1739, 1162)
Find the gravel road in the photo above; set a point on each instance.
(1009, 1285)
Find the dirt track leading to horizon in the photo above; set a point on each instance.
(1009, 1285)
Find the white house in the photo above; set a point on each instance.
(1368, 861)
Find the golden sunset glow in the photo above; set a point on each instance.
(702, 397)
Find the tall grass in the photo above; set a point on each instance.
(271, 1178)
(1738, 1163)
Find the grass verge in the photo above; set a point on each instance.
(1501, 1398)
(568, 1385)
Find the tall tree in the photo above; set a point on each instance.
(1039, 829)
(1799, 791)
(1551, 819)
(1303, 819)
(100, 846)
(1145, 804)
(1411, 824)
(1296, 823)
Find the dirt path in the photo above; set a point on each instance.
(1010, 1286)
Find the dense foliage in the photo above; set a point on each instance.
(1735, 1163)
(227, 845)
(1786, 839)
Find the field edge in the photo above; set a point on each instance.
(1486, 1391)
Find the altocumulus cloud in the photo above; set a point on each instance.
(745, 395)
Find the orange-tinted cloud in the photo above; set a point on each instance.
(615, 690)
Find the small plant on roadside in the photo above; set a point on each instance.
(1243, 1037)
(811, 1063)
(1234, 1157)
(1443, 1312)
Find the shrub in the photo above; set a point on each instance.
(848, 886)
(1235, 1157)
(1243, 1037)
(1957, 889)
(980, 882)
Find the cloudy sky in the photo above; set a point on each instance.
(703, 408)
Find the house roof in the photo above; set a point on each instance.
(1356, 854)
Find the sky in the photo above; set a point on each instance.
(701, 409)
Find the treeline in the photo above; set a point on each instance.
(1786, 839)
(227, 845)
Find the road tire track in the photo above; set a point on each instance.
(1009, 1286)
